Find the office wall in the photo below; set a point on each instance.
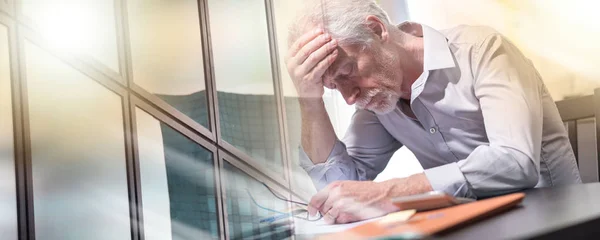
(560, 37)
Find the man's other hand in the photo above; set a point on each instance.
(350, 201)
(308, 59)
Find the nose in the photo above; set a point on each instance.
(350, 93)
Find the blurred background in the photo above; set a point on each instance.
(163, 118)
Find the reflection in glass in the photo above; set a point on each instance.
(243, 216)
(166, 53)
(244, 82)
(77, 26)
(78, 153)
(178, 189)
(284, 14)
(8, 204)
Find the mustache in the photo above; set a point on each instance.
(386, 97)
(365, 99)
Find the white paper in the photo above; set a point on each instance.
(303, 227)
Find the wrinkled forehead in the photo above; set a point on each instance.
(347, 54)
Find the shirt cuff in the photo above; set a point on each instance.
(334, 169)
(449, 179)
(308, 165)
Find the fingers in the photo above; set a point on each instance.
(318, 71)
(318, 56)
(342, 212)
(332, 199)
(350, 210)
(317, 201)
(345, 218)
(330, 216)
(303, 40)
(308, 59)
(314, 52)
(305, 52)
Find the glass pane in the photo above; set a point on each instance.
(178, 189)
(244, 81)
(285, 13)
(78, 153)
(8, 204)
(78, 26)
(167, 60)
(243, 215)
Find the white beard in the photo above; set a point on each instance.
(383, 106)
(386, 97)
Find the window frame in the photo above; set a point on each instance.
(20, 29)
(209, 131)
(136, 102)
(117, 76)
(243, 167)
(280, 112)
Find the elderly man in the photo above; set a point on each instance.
(465, 101)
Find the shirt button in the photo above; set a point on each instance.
(432, 130)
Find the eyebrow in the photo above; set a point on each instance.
(334, 74)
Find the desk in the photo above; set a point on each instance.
(571, 212)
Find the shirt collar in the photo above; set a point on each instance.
(436, 53)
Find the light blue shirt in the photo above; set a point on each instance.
(482, 123)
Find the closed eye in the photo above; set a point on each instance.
(347, 71)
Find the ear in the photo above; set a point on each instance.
(411, 28)
(378, 27)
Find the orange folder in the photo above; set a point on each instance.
(432, 222)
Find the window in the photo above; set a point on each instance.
(177, 179)
(8, 204)
(243, 215)
(84, 27)
(247, 104)
(285, 12)
(167, 60)
(97, 146)
(78, 153)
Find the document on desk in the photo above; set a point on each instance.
(303, 227)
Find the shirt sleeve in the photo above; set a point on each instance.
(509, 90)
(362, 154)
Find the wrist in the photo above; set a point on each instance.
(411, 185)
(420, 182)
(309, 104)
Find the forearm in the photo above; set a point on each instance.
(487, 171)
(414, 184)
(318, 136)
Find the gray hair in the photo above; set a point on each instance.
(345, 20)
